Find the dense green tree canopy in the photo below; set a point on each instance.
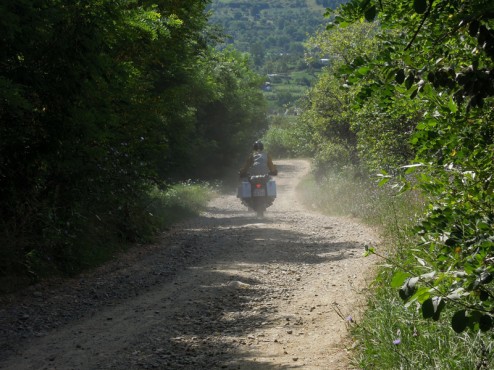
(436, 65)
(101, 100)
(274, 24)
(328, 111)
(274, 32)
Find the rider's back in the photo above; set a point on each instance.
(260, 164)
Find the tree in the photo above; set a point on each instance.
(343, 135)
(231, 118)
(441, 54)
(96, 109)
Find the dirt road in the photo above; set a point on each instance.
(224, 290)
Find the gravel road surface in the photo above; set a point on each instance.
(225, 290)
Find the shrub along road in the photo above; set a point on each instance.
(224, 290)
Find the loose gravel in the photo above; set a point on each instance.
(225, 290)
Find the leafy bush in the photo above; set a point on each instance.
(331, 157)
(96, 109)
(389, 336)
(90, 239)
(178, 202)
(449, 83)
(280, 141)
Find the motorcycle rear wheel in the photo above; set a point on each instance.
(259, 206)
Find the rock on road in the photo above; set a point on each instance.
(221, 291)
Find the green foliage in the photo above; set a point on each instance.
(182, 200)
(116, 230)
(267, 26)
(285, 138)
(231, 118)
(389, 336)
(96, 109)
(274, 32)
(336, 136)
(383, 137)
(437, 59)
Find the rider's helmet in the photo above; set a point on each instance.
(258, 145)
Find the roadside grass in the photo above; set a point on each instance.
(390, 335)
(102, 236)
(158, 211)
(179, 202)
(346, 194)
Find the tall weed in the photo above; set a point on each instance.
(180, 201)
(93, 236)
(390, 335)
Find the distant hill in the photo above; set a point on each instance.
(273, 32)
(262, 27)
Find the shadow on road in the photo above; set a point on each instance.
(221, 325)
(202, 291)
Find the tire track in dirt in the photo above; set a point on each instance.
(224, 290)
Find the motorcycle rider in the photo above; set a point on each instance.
(258, 162)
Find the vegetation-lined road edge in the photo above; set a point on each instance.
(223, 290)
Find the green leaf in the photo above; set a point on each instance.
(338, 19)
(363, 70)
(409, 81)
(421, 295)
(485, 322)
(468, 268)
(330, 26)
(432, 307)
(427, 309)
(459, 321)
(383, 181)
(391, 74)
(484, 226)
(420, 6)
(452, 105)
(370, 13)
(384, 178)
(329, 12)
(369, 251)
(400, 76)
(398, 279)
(409, 288)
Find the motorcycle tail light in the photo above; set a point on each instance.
(258, 186)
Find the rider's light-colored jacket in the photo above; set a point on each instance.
(258, 163)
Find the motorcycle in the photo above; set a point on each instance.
(257, 192)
